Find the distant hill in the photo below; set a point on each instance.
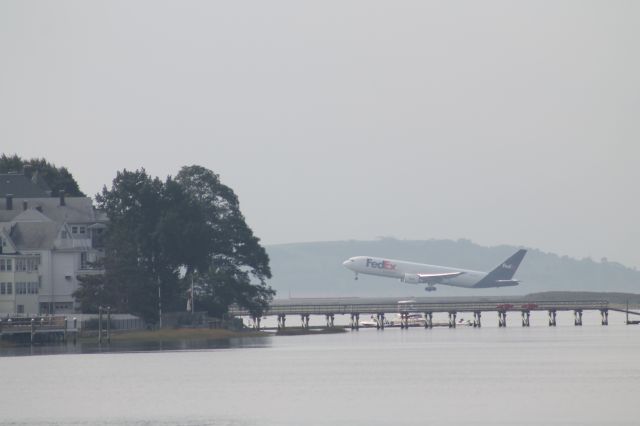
(315, 269)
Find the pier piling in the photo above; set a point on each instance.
(502, 318)
(305, 320)
(380, 321)
(428, 320)
(355, 321)
(329, 318)
(477, 315)
(452, 319)
(577, 317)
(281, 321)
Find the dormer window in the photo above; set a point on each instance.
(74, 229)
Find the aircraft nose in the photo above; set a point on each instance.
(347, 263)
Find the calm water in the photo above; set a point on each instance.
(554, 376)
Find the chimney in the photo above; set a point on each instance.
(25, 205)
(9, 201)
(27, 170)
(62, 202)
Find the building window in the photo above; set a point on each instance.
(45, 307)
(3, 288)
(63, 306)
(33, 263)
(74, 229)
(83, 260)
(32, 288)
(24, 264)
(5, 264)
(20, 309)
(9, 288)
(21, 265)
(21, 288)
(83, 230)
(64, 235)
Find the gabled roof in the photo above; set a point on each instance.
(75, 210)
(35, 236)
(30, 215)
(21, 186)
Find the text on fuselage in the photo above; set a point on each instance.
(385, 264)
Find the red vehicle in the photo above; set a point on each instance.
(529, 306)
(504, 307)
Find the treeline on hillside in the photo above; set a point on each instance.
(164, 234)
(55, 178)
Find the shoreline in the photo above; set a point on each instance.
(183, 334)
(150, 336)
(176, 334)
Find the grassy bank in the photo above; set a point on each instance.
(167, 335)
(298, 331)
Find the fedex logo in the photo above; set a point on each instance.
(385, 264)
(507, 266)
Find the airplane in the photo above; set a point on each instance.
(419, 273)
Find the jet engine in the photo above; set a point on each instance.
(411, 279)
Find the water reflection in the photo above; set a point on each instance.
(139, 346)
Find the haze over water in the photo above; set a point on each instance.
(560, 376)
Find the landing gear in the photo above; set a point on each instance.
(356, 278)
(430, 288)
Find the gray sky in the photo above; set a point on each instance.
(502, 122)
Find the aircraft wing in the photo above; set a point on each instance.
(436, 278)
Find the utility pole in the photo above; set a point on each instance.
(159, 304)
(193, 299)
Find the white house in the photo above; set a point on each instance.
(46, 243)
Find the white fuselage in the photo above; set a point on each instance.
(398, 269)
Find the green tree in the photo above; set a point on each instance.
(158, 231)
(237, 255)
(56, 178)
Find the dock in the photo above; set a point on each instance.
(43, 328)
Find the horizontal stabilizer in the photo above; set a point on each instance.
(506, 283)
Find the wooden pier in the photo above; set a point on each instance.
(32, 329)
(379, 307)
